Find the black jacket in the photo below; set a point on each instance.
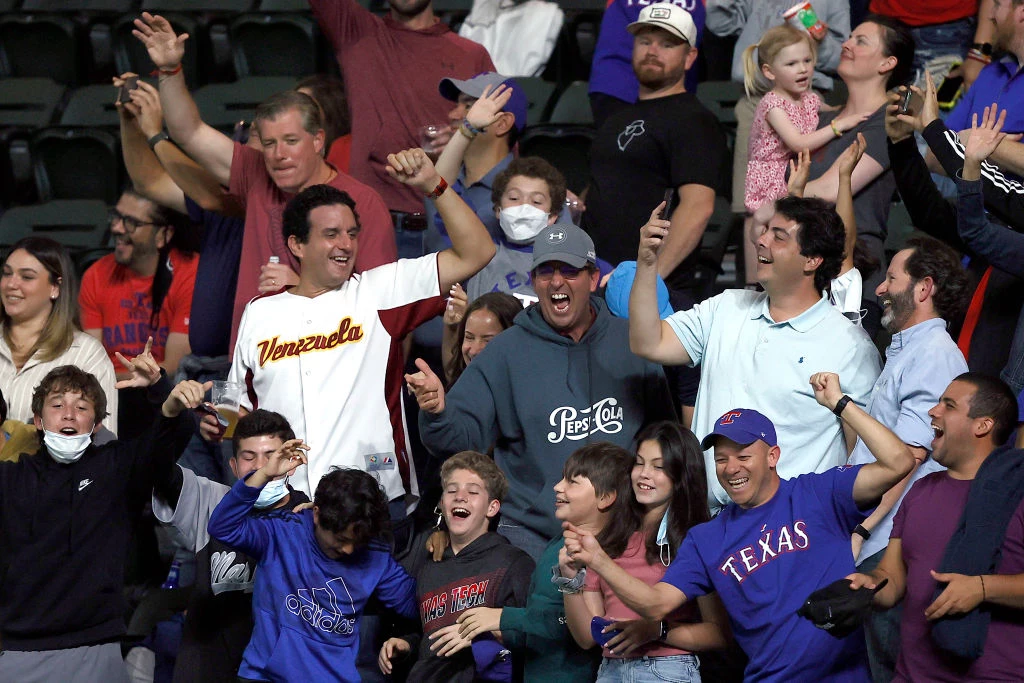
(64, 533)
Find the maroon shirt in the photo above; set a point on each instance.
(925, 522)
(391, 76)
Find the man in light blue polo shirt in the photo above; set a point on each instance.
(924, 287)
(758, 349)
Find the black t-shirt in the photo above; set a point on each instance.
(637, 154)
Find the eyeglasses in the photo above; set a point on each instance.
(546, 271)
(130, 224)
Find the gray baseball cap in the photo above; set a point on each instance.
(566, 243)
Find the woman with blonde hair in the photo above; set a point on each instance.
(39, 327)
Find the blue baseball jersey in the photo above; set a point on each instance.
(765, 561)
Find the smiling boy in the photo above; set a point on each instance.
(479, 568)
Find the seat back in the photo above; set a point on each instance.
(222, 105)
(28, 102)
(538, 95)
(274, 45)
(79, 224)
(566, 147)
(77, 163)
(573, 105)
(39, 46)
(91, 106)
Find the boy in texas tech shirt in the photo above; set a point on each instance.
(479, 569)
(219, 622)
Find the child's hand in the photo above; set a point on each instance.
(393, 648)
(479, 620)
(566, 567)
(799, 172)
(447, 641)
(850, 121)
(851, 156)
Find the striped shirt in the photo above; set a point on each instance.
(85, 352)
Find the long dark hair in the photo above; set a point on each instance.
(607, 467)
(682, 461)
(505, 308)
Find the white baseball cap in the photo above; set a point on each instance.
(672, 18)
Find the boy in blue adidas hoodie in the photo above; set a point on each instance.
(315, 572)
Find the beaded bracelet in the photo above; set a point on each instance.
(835, 129)
(471, 128)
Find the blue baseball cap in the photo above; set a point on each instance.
(474, 87)
(616, 293)
(744, 426)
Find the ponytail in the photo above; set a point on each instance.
(750, 70)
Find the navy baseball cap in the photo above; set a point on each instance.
(744, 426)
(474, 87)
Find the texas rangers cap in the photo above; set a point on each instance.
(744, 426)
(839, 609)
(672, 18)
(474, 87)
(566, 243)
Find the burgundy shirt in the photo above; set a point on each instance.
(925, 522)
(391, 77)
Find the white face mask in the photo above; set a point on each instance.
(662, 540)
(522, 223)
(273, 492)
(66, 449)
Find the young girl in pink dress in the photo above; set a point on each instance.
(786, 119)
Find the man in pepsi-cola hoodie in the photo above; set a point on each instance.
(315, 572)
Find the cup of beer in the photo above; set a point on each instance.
(226, 397)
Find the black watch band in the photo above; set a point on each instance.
(841, 405)
(162, 135)
(983, 48)
(862, 532)
(664, 632)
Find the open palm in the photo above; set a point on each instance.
(165, 48)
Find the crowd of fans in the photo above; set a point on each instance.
(479, 437)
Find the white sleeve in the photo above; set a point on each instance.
(198, 497)
(403, 282)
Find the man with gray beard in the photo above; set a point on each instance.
(924, 288)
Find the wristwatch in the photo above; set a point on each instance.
(983, 48)
(152, 142)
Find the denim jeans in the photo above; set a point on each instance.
(939, 40)
(882, 632)
(677, 668)
(525, 539)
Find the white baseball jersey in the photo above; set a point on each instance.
(332, 365)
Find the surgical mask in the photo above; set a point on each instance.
(522, 223)
(273, 492)
(664, 551)
(66, 449)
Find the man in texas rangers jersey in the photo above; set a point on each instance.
(325, 354)
(777, 542)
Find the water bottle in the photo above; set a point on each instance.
(172, 576)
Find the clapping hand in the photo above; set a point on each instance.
(852, 155)
(799, 172)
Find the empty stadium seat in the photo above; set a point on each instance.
(28, 102)
(113, 6)
(232, 6)
(222, 105)
(567, 147)
(573, 105)
(274, 45)
(538, 95)
(91, 106)
(77, 163)
(79, 224)
(721, 98)
(39, 46)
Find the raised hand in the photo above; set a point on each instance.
(427, 388)
(144, 105)
(851, 156)
(144, 369)
(185, 396)
(985, 138)
(447, 641)
(285, 459)
(799, 172)
(413, 167)
(896, 129)
(165, 48)
(827, 391)
(456, 308)
(929, 108)
(478, 620)
(652, 236)
(392, 648)
(488, 108)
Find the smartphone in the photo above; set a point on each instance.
(208, 409)
(950, 90)
(597, 625)
(904, 106)
(130, 83)
(669, 198)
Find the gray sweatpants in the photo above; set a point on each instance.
(86, 664)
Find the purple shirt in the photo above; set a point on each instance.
(925, 522)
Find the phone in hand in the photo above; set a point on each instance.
(208, 409)
(949, 92)
(130, 83)
(669, 199)
(597, 625)
(904, 106)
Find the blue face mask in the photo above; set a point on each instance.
(663, 550)
(272, 493)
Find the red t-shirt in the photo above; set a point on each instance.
(340, 152)
(925, 12)
(374, 51)
(117, 300)
(264, 204)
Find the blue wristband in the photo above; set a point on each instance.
(471, 128)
